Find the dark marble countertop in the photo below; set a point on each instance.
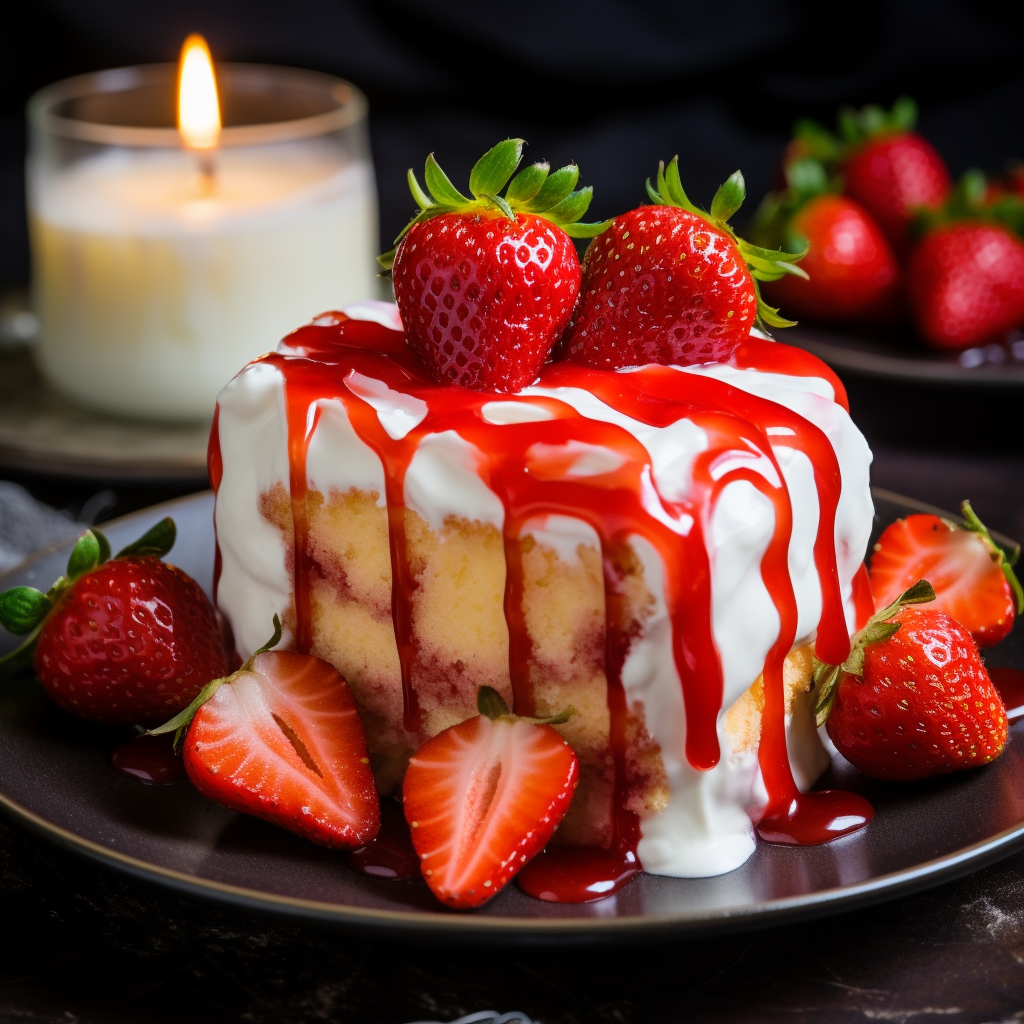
(81, 943)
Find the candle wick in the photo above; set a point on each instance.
(207, 163)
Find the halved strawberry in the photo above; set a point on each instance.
(483, 797)
(973, 578)
(281, 739)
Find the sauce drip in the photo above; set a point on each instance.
(863, 602)
(391, 854)
(150, 759)
(812, 818)
(335, 357)
(215, 468)
(575, 874)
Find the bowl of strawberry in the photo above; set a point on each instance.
(910, 274)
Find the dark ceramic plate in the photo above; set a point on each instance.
(55, 778)
(899, 357)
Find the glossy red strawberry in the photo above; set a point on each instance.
(966, 284)
(882, 163)
(126, 640)
(484, 298)
(485, 286)
(893, 176)
(483, 797)
(915, 700)
(852, 273)
(670, 284)
(973, 579)
(281, 739)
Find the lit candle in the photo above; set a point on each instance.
(199, 106)
(165, 258)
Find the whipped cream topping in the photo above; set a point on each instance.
(706, 828)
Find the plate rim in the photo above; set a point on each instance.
(454, 926)
(885, 366)
(112, 471)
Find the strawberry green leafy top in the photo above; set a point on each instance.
(535, 189)
(764, 264)
(23, 610)
(854, 128)
(876, 630)
(972, 198)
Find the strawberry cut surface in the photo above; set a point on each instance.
(284, 742)
(969, 583)
(481, 799)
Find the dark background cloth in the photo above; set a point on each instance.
(612, 84)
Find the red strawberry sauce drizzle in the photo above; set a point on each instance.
(150, 759)
(215, 468)
(863, 602)
(618, 504)
(391, 854)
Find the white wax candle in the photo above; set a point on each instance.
(152, 295)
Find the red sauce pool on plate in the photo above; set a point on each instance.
(812, 818)
(577, 874)
(390, 855)
(150, 759)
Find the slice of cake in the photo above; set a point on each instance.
(657, 547)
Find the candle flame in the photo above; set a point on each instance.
(198, 107)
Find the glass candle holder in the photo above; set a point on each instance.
(155, 281)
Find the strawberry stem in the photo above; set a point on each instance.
(877, 629)
(854, 128)
(24, 610)
(970, 199)
(533, 190)
(155, 542)
(21, 657)
(180, 722)
(764, 264)
(1006, 560)
(274, 640)
(183, 719)
(492, 705)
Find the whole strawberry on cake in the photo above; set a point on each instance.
(539, 513)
